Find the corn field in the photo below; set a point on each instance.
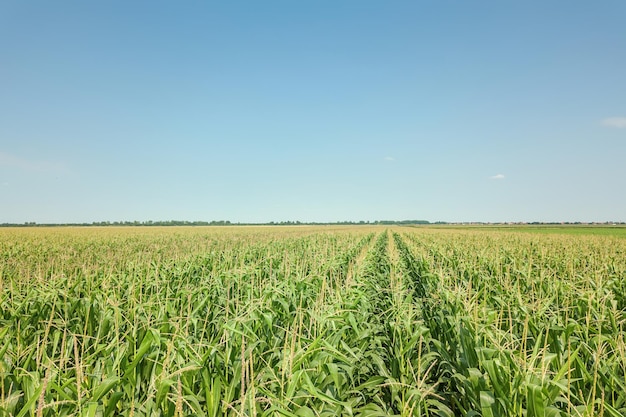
(310, 321)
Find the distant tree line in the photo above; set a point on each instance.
(293, 223)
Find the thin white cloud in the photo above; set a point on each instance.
(8, 160)
(497, 177)
(389, 158)
(618, 122)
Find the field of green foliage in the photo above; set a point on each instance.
(311, 321)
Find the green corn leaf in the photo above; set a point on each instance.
(104, 387)
(146, 343)
(30, 403)
(488, 404)
(535, 401)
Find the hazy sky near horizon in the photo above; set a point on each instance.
(312, 110)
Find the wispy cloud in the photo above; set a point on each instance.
(618, 122)
(497, 177)
(8, 160)
(389, 158)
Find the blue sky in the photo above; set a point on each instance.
(312, 110)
